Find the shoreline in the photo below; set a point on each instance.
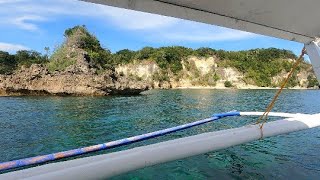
(241, 88)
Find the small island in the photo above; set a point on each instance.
(81, 67)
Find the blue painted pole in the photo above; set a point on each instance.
(80, 151)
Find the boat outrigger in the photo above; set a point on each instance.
(287, 19)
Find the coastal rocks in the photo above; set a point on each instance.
(77, 68)
(208, 72)
(76, 81)
(203, 65)
(196, 72)
(143, 70)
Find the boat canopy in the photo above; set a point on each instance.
(294, 20)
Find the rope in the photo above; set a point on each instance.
(264, 117)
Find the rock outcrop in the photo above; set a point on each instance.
(37, 80)
(81, 66)
(71, 71)
(201, 72)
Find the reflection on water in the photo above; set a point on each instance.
(32, 126)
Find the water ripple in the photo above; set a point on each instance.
(32, 126)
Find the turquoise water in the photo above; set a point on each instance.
(31, 126)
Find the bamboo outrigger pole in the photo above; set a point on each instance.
(108, 165)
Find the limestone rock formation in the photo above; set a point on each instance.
(75, 68)
(201, 72)
(37, 80)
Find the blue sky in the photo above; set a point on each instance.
(35, 24)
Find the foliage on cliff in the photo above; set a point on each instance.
(80, 45)
(9, 63)
(258, 65)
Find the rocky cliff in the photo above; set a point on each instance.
(37, 80)
(204, 72)
(80, 66)
(80, 79)
(75, 69)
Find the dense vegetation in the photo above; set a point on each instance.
(79, 40)
(9, 63)
(312, 81)
(258, 65)
(227, 84)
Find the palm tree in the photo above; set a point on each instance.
(47, 49)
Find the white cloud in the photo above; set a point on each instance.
(12, 47)
(9, 1)
(134, 20)
(25, 22)
(20, 11)
(26, 14)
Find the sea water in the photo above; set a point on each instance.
(31, 126)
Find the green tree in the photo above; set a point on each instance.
(145, 53)
(81, 38)
(27, 58)
(228, 84)
(312, 81)
(216, 77)
(171, 57)
(124, 56)
(7, 63)
(205, 52)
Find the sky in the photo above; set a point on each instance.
(36, 24)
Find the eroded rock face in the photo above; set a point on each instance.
(77, 81)
(201, 72)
